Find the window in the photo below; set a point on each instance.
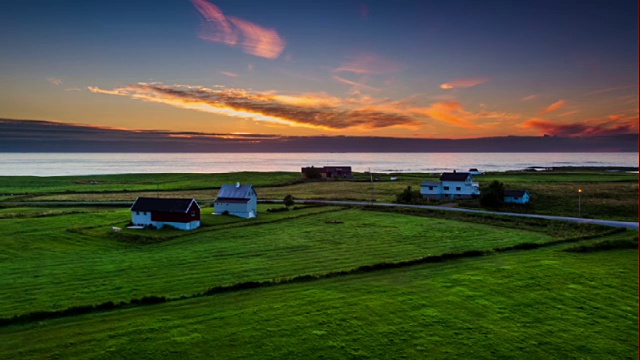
(430, 187)
(457, 188)
(446, 188)
(137, 212)
(193, 214)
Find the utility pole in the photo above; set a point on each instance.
(579, 202)
(373, 187)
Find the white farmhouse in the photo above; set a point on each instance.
(454, 185)
(238, 200)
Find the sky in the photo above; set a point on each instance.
(406, 69)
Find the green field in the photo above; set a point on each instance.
(317, 281)
(534, 304)
(606, 195)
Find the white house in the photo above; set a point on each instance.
(238, 200)
(516, 196)
(183, 214)
(454, 185)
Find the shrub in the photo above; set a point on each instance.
(493, 195)
(409, 196)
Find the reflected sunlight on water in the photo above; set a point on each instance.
(55, 164)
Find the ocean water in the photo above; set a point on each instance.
(57, 164)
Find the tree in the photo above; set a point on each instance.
(288, 201)
(493, 195)
(408, 196)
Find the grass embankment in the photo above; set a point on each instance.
(543, 303)
(606, 195)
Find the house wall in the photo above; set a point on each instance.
(244, 210)
(192, 225)
(465, 192)
(141, 217)
(432, 194)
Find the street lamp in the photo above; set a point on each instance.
(579, 198)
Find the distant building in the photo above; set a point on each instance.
(452, 185)
(516, 196)
(237, 200)
(328, 172)
(183, 214)
(474, 171)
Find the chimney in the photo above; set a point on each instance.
(238, 184)
(454, 171)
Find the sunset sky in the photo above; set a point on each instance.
(415, 69)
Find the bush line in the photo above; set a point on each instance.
(605, 245)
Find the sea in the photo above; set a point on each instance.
(60, 164)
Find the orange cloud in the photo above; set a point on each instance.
(254, 39)
(464, 83)
(553, 107)
(450, 112)
(368, 64)
(268, 107)
(611, 125)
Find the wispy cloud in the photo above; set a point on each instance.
(608, 90)
(229, 74)
(464, 83)
(55, 81)
(611, 125)
(354, 83)
(368, 64)
(73, 89)
(530, 97)
(254, 39)
(553, 107)
(268, 107)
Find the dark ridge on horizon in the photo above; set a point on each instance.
(49, 136)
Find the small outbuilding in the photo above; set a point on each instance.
(183, 214)
(516, 196)
(328, 172)
(237, 200)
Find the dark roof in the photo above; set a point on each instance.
(514, 193)
(456, 176)
(165, 205)
(235, 191)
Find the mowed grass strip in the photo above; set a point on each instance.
(46, 267)
(137, 182)
(536, 304)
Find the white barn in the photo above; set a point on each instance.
(454, 185)
(237, 200)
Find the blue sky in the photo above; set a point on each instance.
(427, 69)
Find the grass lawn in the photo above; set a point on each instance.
(54, 262)
(533, 304)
